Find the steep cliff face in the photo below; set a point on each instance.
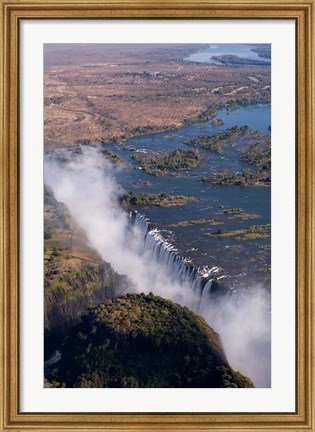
(76, 278)
(144, 341)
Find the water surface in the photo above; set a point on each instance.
(240, 50)
(245, 262)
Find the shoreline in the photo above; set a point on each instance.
(159, 130)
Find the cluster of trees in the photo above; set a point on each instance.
(254, 232)
(230, 59)
(162, 200)
(233, 211)
(246, 177)
(213, 221)
(217, 122)
(179, 160)
(144, 130)
(144, 341)
(239, 214)
(209, 113)
(216, 141)
(262, 96)
(112, 157)
(259, 155)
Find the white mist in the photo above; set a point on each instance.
(86, 185)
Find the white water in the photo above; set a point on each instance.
(241, 318)
(86, 185)
(178, 268)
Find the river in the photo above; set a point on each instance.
(247, 261)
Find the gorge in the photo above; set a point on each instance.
(152, 264)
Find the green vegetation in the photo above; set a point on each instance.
(145, 130)
(254, 232)
(179, 160)
(216, 141)
(244, 178)
(245, 216)
(230, 59)
(217, 122)
(251, 236)
(232, 105)
(75, 276)
(161, 200)
(112, 157)
(233, 211)
(259, 155)
(209, 113)
(213, 221)
(204, 116)
(144, 341)
(231, 379)
(238, 213)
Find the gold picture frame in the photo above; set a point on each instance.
(12, 12)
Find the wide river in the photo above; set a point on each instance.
(243, 262)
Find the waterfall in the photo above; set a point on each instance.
(205, 296)
(134, 246)
(178, 268)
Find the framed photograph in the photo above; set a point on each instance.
(157, 224)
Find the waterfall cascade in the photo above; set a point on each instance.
(180, 269)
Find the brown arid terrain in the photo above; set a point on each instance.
(105, 92)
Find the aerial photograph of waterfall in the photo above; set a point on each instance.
(157, 215)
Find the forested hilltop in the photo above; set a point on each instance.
(143, 341)
(130, 341)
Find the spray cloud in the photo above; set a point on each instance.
(86, 184)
